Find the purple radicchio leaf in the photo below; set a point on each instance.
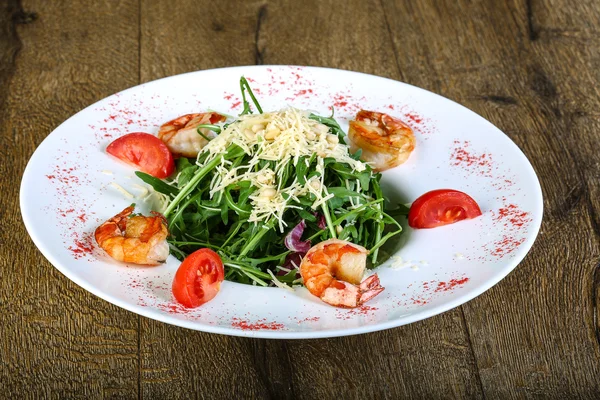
(292, 239)
(292, 261)
(321, 223)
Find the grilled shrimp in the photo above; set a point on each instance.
(332, 270)
(385, 141)
(137, 239)
(181, 135)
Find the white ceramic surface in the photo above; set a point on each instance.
(67, 190)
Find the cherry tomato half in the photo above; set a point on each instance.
(145, 151)
(442, 207)
(198, 278)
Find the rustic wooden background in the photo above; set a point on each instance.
(532, 67)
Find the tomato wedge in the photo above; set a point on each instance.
(442, 207)
(145, 151)
(198, 278)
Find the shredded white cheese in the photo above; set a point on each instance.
(121, 190)
(282, 137)
(278, 283)
(143, 191)
(399, 263)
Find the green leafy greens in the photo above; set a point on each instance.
(253, 252)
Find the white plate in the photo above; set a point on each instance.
(67, 192)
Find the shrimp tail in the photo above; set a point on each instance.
(369, 288)
(347, 295)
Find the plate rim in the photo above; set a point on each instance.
(504, 270)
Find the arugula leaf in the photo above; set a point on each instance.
(157, 184)
(245, 87)
(343, 192)
(250, 251)
(402, 209)
(307, 215)
(301, 169)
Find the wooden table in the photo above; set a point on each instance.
(531, 67)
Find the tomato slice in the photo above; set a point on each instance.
(198, 278)
(145, 151)
(442, 207)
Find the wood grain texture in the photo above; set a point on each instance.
(531, 67)
(196, 35)
(359, 366)
(515, 65)
(176, 362)
(57, 340)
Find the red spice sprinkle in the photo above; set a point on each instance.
(346, 314)
(431, 290)
(82, 217)
(507, 245)
(514, 220)
(413, 117)
(450, 285)
(515, 216)
(82, 246)
(362, 310)
(236, 104)
(174, 308)
(256, 326)
(340, 101)
(462, 156)
(136, 284)
(303, 92)
(309, 319)
(419, 301)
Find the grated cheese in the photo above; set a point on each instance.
(143, 191)
(278, 283)
(120, 189)
(398, 263)
(283, 137)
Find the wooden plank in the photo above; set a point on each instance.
(528, 68)
(393, 363)
(176, 362)
(324, 34)
(57, 339)
(196, 35)
(387, 364)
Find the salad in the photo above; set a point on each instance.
(271, 198)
